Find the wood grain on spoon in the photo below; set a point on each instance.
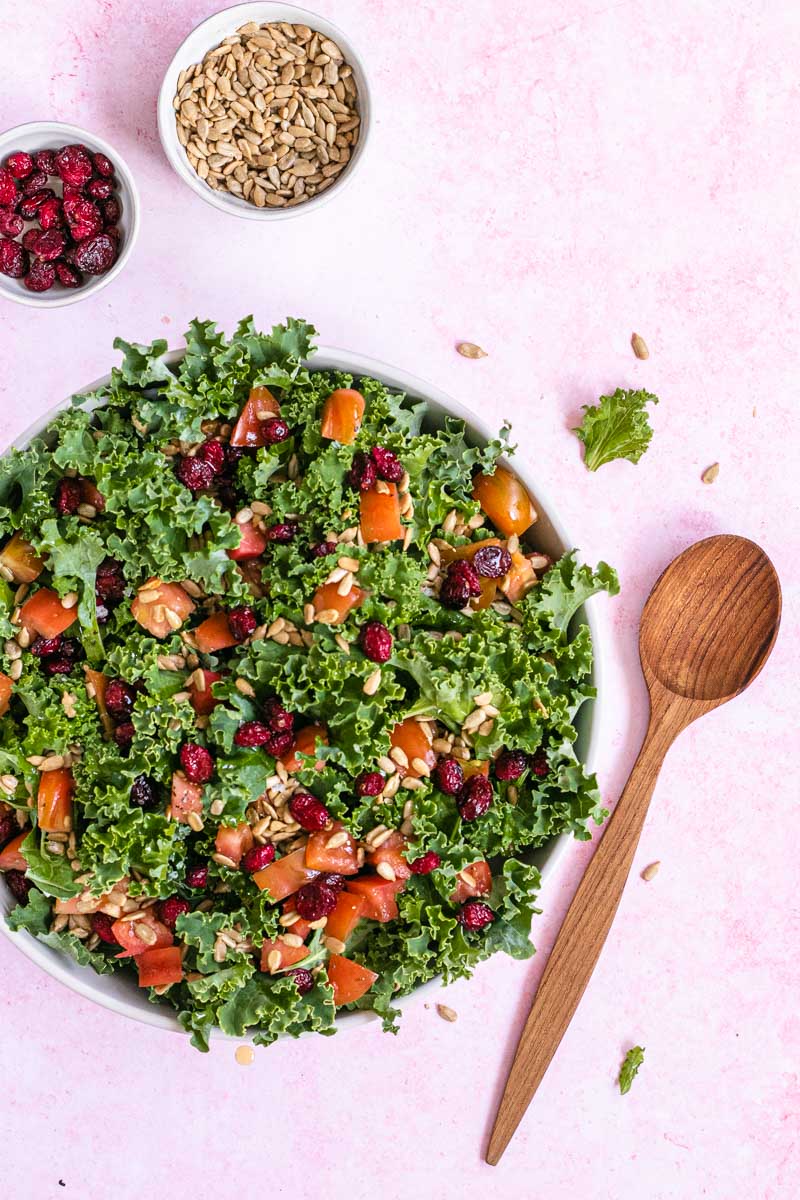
(707, 629)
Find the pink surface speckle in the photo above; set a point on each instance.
(543, 179)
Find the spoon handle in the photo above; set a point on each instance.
(579, 942)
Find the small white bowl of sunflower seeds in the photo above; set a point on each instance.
(265, 110)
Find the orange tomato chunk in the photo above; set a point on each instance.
(306, 742)
(390, 852)
(349, 980)
(341, 860)
(519, 580)
(479, 882)
(327, 597)
(160, 967)
(127, 935)
(6, 688)
(202, 700)
(234, 841)
(342, 414)
(252, 543)
(20, 558)
(413, 738)
(160, 600)
(379, 894)
(504, 500)
(43, 613)
(344, 918)
(11, 856)
(54, 800)
(186, 798)
(214, 634)
(248, 430)
(289, 954)
(379, 514)
(285, 876)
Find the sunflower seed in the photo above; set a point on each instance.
(470, 350)
(710, 473)
(639, 346)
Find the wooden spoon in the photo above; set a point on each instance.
(707, 629)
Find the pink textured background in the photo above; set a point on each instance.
(543, 179)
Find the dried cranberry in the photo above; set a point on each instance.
(475, 914)
(99, 189)
(323, 549)
(197, 877)
(474, 798)
(370, 783)
(463, 570)
(144, 793)
(258, 857)
(8, 188)
(274, 430)
(252, 733)
(492, 562)
(67, 496)
(123, 735)
(333, 881)
(14, 260)
(387, 464)
(45, 160)
(31, 204)
(284, 532)
(280, 743)
(242, 621)
(233, 454)
(41, 277)
(195, 474)
(73, 165)
(376, 641)
(110, 582)
(112, 210)
(18, 885)
(315, 900)
(19, 164)
(50, 245)
(510, 765)
(113, 231)
(67, 275)
(51, 214)
(44, 646)
(30, 239)
(276, 716)
(304, 980)
(309, 812)
(213, 453)
(196, 762)
(11, 223)
(363, 474)
(169, 910)
(83, 218)
(34, 183)
(449, 776)
(8, 827)
(103, 926)
(460, 586)
(539, 764)
(56, 665)
(72, 193)
(120, 699)
(426, 863)
(72, 649)
(95, 255)
(102, 165)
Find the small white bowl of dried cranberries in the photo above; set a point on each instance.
(69, 214)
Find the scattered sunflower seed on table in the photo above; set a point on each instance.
(270, 115)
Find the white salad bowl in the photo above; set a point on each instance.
(121, 995)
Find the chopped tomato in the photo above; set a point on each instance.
(214, 634)
(127, 936)
(300, 927)
(344, 918)
(328, 598)
(341, 860)
(306, 742)
(43, 613)
(186, 798)
(413, 738)
(349, 980)
(379, 514)
(478, 884)
(11, 856)
(99, 682)
(505, 501)
(285, 876)
(202, 700)
(252, 542)
(451, 553)
(475, 766)
(155, 601)
(289, 954)
(259, 407)
(21, 560)
(54, 799)
(234, 841)
(519, 580)
(90, 494)
(160, 967)
(391, 853)
(6, 688)
(342, 415)
(380, 895)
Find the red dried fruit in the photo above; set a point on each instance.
(169, 910)
(274, 430)
(475, 914)
(258, 857)
(18, 885)
(304, 980)
(510, 765)
(242, 621)
(362, 474)
(463, 570)
(387, 464)
(83, 217)
(8, 188)
(14, 260)
(194, 473)
(30, 238)
(11, 223)
(252, 734)
(492, 562)
(57, 666)
(336, 882)
(113, 232)
(144, 793)
(284, 532)
(280, 743)
(41, 276)
(276, 716)
(44, 646)
(370, 783)
(474, 798)
(119, 699)
(376, 641)
(110, 581)
(30, 206)
(124, 734)
(51, 214)
(197, 877)
(45, 160)
(315, 900)
(213, 453)
(103, 926)
(323, 549)
(73, 165)
(197, 763)
(34, 183)
(309, 812)
(19, 164)
(460, 586)
(99, 189)
(72, 649)
(112, 211)
(8, 827)
(71, 193)
(50, 245)
(448, 776)
(67, 495)
(102, 165)
(426, 863)
(95, 255)
(539, 764)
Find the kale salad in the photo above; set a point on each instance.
(287, 692)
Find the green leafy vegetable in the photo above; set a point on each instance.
(616, 427)
(630, 1068)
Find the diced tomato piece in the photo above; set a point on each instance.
(344, 918)
(285, 876)
(90, 494)
(99, 683)
(186, 798)
(341, 860)
(234, 841)
(349, 980)
(6, 688)
(413, 738)
(159, 600)
(519, 580)
(327, 597)
(301, 927)
(505, 501)
(76, 905)
(391, 853)
(21, 560)
(475, 766)
(202, 700)
(342, 414)
(11, 856)
(43, 613)
(54, 799)
(253, 542)
(160, 967)
(480, 873)
(248, 430)
(214, 634)
(126, 935)
(306, 742)
(289, 954)
(379, 894)
(379, 514)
